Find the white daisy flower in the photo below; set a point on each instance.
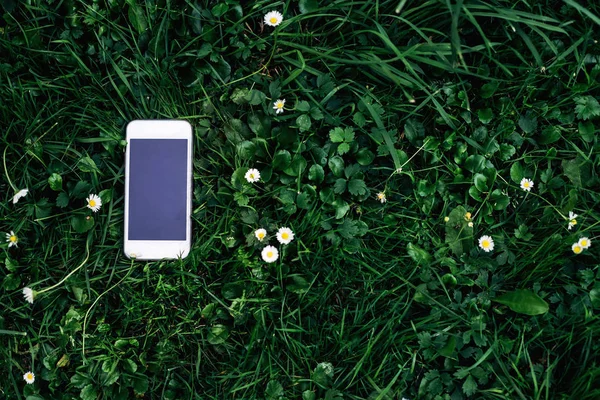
(576, 247)
(270, 254)
(278, 106)
(285, 235)
(526, 184)
(381, 197)
(470, 224)
(486, 243)
(260, 234)
(12, 239)
(29, 377)
(585, 243)
(29, 294)
(273, 18)
(572, 219)
(94, 202)
(20, 194)
(446, 219)
(252, 175)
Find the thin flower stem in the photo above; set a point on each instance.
(6, 171)
(58, 215)
(87, 256)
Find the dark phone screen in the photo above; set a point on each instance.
(157, 189)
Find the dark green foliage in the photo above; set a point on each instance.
(442, 106)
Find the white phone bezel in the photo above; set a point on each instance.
(159, 249)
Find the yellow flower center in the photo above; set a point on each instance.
(573, 222)
(279, 105)
(261, 235)
(584, 243)
(285, 235)
(269, 254)
(13, 239)
(273, 20)
(92, 203)
(577, 249)
(485, 244)
(526, 184)
(29, 376)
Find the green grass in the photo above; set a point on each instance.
(370, 301)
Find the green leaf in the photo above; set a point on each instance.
(357, 187)
(307, 6)
(297, 166)
(507, 151)
(485, 115)
(316, 114)
(480, 182)
(298, 284)
(475, 163)
(303, 106)
(343, 148)
(587, 107)
(550, 134)
(336, 135)
(523, 302)
(303, 122)
(235, 130)
(516, 172)
(237, 178)
(528, 123)
(420, 256)
(55, 182)
(137, 17)
(140, 384)
(359, 119)
(459, 236)
(281, 160)
(586, 130)
(413, 130)
(239, 95)
(89, 393)
(232, 290)
(255, 97)
(595, 297)
(86, 164)
(340, 186)
(572, 170)
(218, 334)
(316, 173)
(62, 200)
(274, 390)
(11, 281)
(522, 233)
(499, 200)
(470, 386)
(219, 9)
(336, 164)
(488, 90)
(309, 395)
(275, 89)
(348, 134)
(245, 150)
(81, 223)
(365, 156)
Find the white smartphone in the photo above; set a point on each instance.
(158, 189)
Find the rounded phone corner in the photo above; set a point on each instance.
(184, 253)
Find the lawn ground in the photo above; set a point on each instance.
(440, 108)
